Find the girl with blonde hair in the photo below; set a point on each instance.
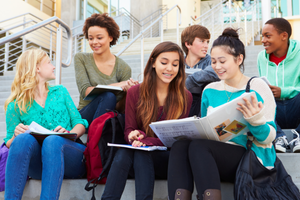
(33, 99)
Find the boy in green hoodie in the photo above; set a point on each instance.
(280, 64)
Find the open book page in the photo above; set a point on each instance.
(169, 132)
(103, 88)
(226, 121)
(222, 124)
(40, 133)
(146, 148)
(35, 127)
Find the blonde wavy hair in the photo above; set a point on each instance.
(26, 80)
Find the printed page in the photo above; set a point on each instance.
(146, 148)
(35, 127)
(226, 121)
(187, 128)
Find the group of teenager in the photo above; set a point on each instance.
(165, 93)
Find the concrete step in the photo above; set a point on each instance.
(74, 189)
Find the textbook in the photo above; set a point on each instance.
(222, 124)
(146, 148)
(102, 88)
(40, 133)
(265, 79)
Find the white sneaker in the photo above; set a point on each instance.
(281, 144)
(295, 142)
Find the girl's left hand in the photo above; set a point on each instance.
(60, 129)
(250, 109)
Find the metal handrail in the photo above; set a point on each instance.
(16, 26)
(210, 10)
(59, 37)
(40, 25)
(153, 15)
(148, 27)
(128, 13)
(20, 16)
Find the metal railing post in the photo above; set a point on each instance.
(75, 44)
(41, 5)
(161, 30)
(23, 38)
(252, 26)
(50, 56)
(58, 55)
(213, 26)
(131, 29)
(229, 12)
(245, 19)
(121, 28)
(177, 29)
(142, 55)
(151, 28)
(6, 55)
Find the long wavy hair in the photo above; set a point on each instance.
(26, 80)
(176, 101)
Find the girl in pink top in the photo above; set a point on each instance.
(161, 96)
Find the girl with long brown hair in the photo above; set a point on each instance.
(161, 96)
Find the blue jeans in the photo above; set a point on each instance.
(146, 166)
(288, 115)
(56, 159)
(98, 106)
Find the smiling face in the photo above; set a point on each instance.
(225, 65)
(166, 67)
(99, 39)
(199, 47)
(273, 41)
(45, 69)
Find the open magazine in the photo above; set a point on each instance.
(99, 89)
(222, 124)
(40, 133)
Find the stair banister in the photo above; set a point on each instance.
(58, 44)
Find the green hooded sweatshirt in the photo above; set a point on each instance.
(287, 74)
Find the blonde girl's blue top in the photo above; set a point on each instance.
(59, 110)
(261, 125)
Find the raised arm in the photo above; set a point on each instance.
(262, 124)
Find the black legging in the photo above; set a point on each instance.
(205, 161)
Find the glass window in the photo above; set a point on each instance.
(295, 7)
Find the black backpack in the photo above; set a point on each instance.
(108, 128)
